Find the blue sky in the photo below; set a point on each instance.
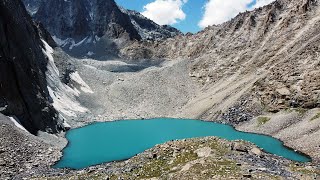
(191, 15)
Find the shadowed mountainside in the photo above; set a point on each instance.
(23, 90)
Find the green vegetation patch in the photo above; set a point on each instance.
(220, 149)
(219, 169)
(184, 158)
(263, 120)
(301, 111)
(317, 116)
(305, 170)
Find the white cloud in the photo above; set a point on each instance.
(219, 11)
(165, 12)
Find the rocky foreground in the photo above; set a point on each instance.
(21, 152)
(208, 158)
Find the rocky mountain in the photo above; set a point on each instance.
(149, 30)
(94, 28)
(23, 85)
(278, 43)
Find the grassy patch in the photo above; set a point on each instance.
(317, 116)
(184, 158)
(304, 170)
(263, 120)
(217, 168)
(154, 168)
(301, 111)
(220, 149)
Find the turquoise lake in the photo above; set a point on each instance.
(119, 140)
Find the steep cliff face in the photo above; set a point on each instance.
(85, 28)
(23, 87)
(82, 18)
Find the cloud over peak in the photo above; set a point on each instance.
(165, 12)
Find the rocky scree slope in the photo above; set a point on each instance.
(21, 152)
(95, 28)
(278, 42)
(23, 86)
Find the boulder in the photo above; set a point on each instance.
(256, 151)
(283, 91)
(239, 147)
(247, 175)
(2, 162)
(204, 152)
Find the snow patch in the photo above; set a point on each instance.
(74, 44)
(48, 51)
(91, 67)
(83, 85)
(63, 96)
(64, 104)
(90, 53)
(89, 40)
(66, 125)
(59, 41)
(97, 38)
(71, 42)
(17, 123)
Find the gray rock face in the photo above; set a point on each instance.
(149, 30)
(81, 18)
(94, 28)
(23, 87)
(83, 27)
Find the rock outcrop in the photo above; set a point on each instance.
(23, 87)
(149, 30)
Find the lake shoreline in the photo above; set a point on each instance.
(169, 119)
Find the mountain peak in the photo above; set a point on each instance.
(94, 28)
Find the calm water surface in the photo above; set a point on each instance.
(111, 141)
